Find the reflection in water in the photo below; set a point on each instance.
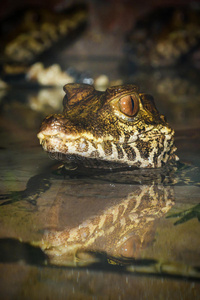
(13, 250)
(186, 215)
(104, 225)
(117, 219)
(102, 218)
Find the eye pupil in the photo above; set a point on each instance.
(132, 102)
(129, 105)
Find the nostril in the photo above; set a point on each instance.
(53, 121)
(50, 124)
(50, 119)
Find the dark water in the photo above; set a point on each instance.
(145, 223)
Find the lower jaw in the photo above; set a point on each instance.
(59, 151)
(74, 161)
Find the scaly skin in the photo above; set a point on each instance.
(164, 37)
(119, 126)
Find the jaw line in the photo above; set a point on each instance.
(65, 139)
(89, 137)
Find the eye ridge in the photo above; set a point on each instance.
(128, 105)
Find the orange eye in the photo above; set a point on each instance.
(129, 105)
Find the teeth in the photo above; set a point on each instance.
(42, 139)
(40, 136)
(44, 145)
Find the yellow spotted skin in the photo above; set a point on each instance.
(93, 127)
(34, 31)
(165, 36)
(110, 229)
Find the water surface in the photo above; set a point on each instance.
(145, 224)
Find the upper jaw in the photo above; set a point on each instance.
(55, 134)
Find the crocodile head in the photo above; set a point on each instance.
(120, 126)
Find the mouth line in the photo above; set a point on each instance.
(74, 137)
(43, 138)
